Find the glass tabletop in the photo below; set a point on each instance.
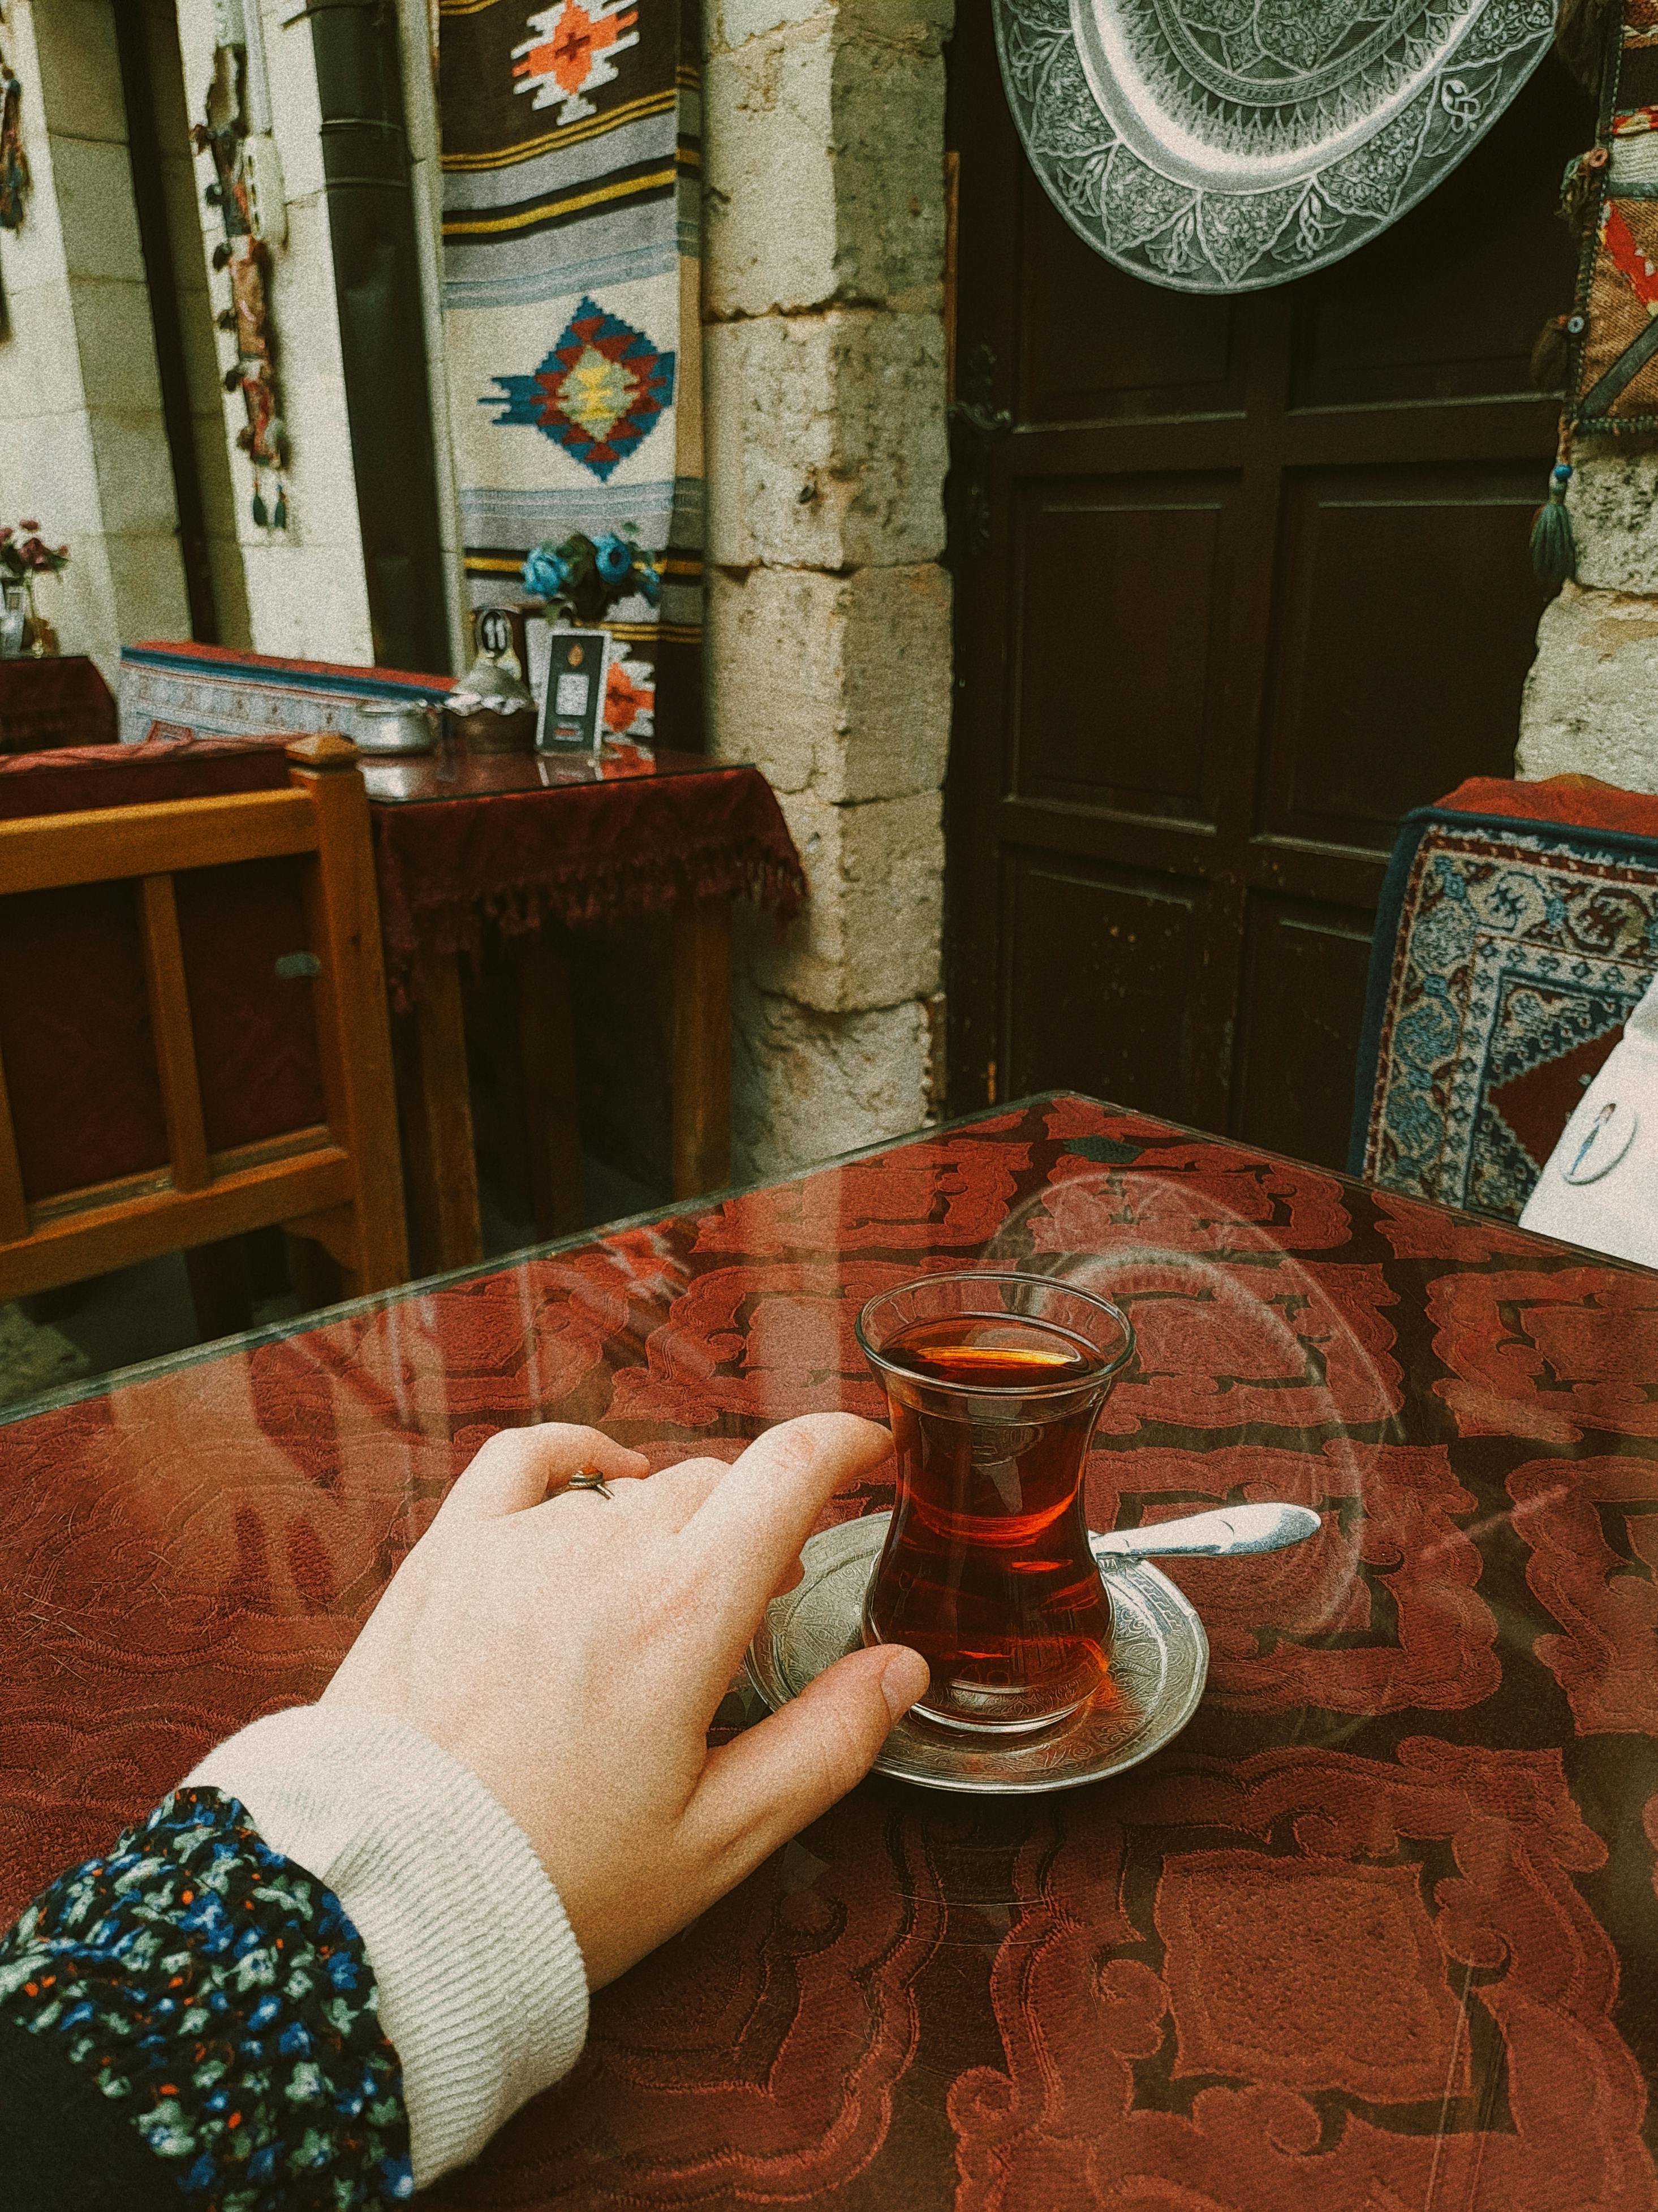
(1378, 1930)
(414, 779)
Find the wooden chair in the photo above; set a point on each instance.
(339, 1182)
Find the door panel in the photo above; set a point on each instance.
(1404, 628)
(1089, 954)
(1256, 583)
(1117, 354)
(1303, 994)
(1089, 690)
(1446, 304)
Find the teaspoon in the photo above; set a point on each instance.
(1223, 1534)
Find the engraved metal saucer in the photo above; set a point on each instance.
(1159, 1659)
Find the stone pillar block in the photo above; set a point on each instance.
(869, 936)
(844, 134)
(1591, 700)
(826, 441)
(921, 25)
(829, 622)
(863, 714)
(1614, 514)
(806, 1085)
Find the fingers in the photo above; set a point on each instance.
(517, 1469)
(674, 1494)
(767, 1784)
(755, 1521)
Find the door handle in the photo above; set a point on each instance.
(976, 425)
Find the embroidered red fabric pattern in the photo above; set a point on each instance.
(582, 855)
(1376, 1933)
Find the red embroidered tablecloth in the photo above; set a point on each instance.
(1377, 1933)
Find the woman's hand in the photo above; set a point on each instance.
(571, 1651)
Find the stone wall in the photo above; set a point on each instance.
(829, 614)
(1591, 700)
(83, 442)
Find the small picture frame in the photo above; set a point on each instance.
(573, 705)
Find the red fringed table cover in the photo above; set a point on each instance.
(528, 840)
(1377, 1933)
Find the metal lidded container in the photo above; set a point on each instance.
(391, 725)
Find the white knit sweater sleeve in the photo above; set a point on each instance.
(483, 1991)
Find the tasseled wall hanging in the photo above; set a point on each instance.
(13, 162)
(263, 437)
(1603, 356)
(14, 166)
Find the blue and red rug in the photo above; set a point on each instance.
(1518, 926)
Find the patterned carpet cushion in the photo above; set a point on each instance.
(214, 691)
(1518, 926)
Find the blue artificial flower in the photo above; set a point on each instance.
(544, 573)
(613, 556)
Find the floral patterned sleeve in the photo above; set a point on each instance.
(217, 1997)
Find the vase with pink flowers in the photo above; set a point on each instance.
(25, 556)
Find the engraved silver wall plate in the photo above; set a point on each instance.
(1224, 145)
(1160, 1658)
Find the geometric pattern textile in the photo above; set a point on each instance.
(1223, 145)
(1508, 956)
(1613, 387)
(599, 392)
(572, 216)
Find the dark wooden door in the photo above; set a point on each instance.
(1255, 582)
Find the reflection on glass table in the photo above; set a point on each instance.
(1378, 1929)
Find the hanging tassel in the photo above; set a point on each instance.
(1553, 548)
(1581, 31)
(261, 512)
(279, 518)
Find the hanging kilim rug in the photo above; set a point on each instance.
(1612, 192)
(1508, 955)
(1222, 145)
(571, 289)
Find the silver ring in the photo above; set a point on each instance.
(589, 1478)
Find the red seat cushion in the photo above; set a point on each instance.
(54, 702)
(75, 1034)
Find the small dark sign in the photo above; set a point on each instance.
(573, 703)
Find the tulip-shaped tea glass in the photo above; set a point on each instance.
(994, 1383)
